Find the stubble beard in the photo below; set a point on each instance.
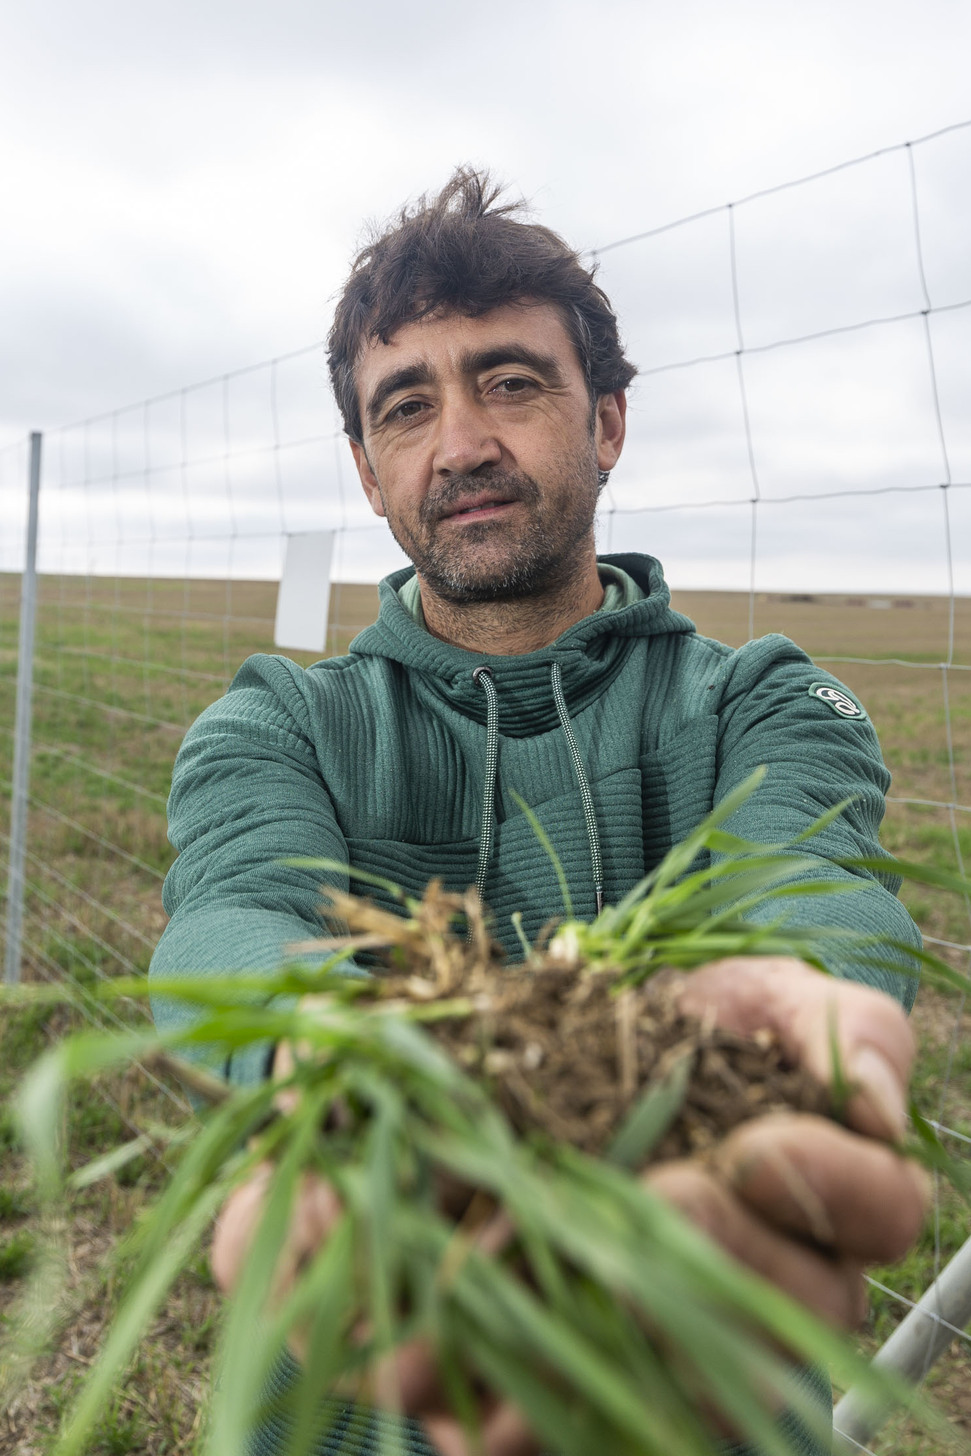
(535, 559)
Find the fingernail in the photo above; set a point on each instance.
(878, 1083)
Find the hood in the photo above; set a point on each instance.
(590, 654)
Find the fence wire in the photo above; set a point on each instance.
(799, 456)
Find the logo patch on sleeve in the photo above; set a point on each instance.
(842, 704)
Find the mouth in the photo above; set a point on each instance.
(479, 508)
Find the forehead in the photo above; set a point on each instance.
(443, 341)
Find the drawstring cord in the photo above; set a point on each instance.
(483, 676)
(585, 795)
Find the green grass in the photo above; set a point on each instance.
(157, 1412)
(14, 1203)
(9, 1138)
(123, 667)
(16, 1256)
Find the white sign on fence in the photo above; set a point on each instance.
(304, 595)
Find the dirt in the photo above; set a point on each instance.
(567, 1052)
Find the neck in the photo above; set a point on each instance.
(512, 628)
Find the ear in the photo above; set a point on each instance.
(610, 429)
(368, 478)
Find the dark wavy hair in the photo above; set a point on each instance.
(464, 252)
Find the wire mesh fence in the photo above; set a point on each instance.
(799, 457)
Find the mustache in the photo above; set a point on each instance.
(450, 493)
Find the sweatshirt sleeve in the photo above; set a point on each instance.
(819, 747)
(247, 793)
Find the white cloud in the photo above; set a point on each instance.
(184, 185)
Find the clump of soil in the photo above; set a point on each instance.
(565, 1053)
(564, 1050)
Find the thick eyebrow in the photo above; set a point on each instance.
(409, 376)
(500, 355)
(477, 361)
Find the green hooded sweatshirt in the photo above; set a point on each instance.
(403, 759)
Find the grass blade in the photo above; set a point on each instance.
(130, 1323)
(551, 853)
(651, 1116)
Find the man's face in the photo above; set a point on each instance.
(482, 449)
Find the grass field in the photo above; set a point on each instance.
(122, 667)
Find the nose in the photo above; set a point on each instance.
(466, 438)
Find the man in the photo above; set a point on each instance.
(482, 384)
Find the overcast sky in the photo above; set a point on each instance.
(182, 186)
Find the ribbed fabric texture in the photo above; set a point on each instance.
(377, 759)
(351, 1430)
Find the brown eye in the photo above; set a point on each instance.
(406, 411)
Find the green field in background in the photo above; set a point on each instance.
(122, 666)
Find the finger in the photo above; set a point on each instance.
(447, 1436)
(284, 1065)
(809, 1177)
(316, 1209)
(409, 1381)
(236, 1225)
(507, 1434)
(809, 1013)
(411, 1375)
(284, 1061)
(832, 1287)
(286, 1055)
(504, 1434)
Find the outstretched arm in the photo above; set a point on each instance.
(247, 795)
(774, 711)
(803, 1202)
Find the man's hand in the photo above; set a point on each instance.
(410, 1379)
(802, 1201)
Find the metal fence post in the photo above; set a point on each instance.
(21, 752)
(911, 1350)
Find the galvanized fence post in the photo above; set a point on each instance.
(939, 1317)
(21, 752)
